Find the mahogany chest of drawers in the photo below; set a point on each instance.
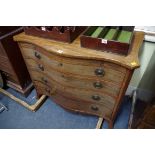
(12, 65)
(79, 79)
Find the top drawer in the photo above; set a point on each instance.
(78, 67)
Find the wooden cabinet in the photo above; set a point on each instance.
(79, 79)
(143, 115)
(12, 65)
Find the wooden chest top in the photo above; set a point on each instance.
(74, 50)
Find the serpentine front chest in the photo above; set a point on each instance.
(79, 79)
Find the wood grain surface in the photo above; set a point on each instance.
(79, 79)
(12, 66)
(75, 67)
(74, 50)
(63, 99)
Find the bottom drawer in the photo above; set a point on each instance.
(82, 107)
(73, 104)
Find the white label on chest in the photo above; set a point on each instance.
(60, 51)
(104, 41)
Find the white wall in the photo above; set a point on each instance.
(143, 78)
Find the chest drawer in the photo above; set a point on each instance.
(72, 104)
(76, 67)
(90, 96)
(83, 107)
(80, 94)
(81, 83)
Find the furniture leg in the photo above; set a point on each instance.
(99, 123)
(110, 124)
(38, 95)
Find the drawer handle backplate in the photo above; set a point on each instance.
(98, 85)
(37, 55)
(99, 72)
(95, 108)
(41, 67)
(96, 97)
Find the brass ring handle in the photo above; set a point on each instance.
(37, 55)
(96, 97)
(99, 72)
(98, 85)
(40, 66)
(95, 108)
